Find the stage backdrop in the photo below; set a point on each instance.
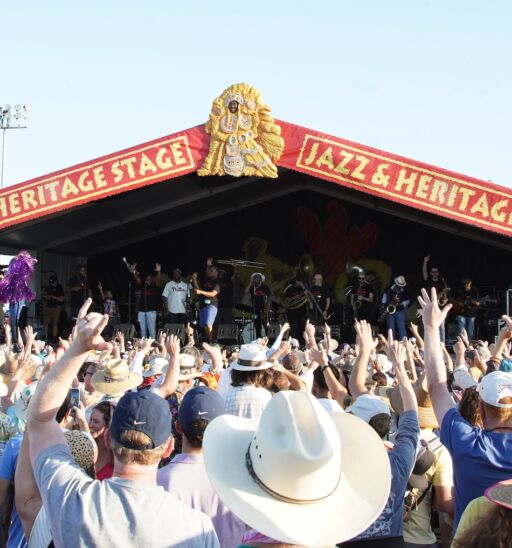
(395, 178)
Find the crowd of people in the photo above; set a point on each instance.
(111, 440)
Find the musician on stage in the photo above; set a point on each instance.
(322, 299)
(225, 305)
(175, 295)
(434, 278)
(297, 307)
(208, 293)
(148, 297)
(79, 290)
(466, 301)
(396, 300)
(53, 298)
(261, 299)
(362, 299)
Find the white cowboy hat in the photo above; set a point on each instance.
(258, 274)
(252, 357)
(298, 474)
(188, 368)
(21, 405)
(156, 364)
(400, 281)
(115, 379)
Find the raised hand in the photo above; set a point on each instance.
(318, 356)
(364, 336)
(88, 329)
(172, 344)
(396, 353)
(433, 316)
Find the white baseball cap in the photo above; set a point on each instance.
(495, 386)
(367, 406)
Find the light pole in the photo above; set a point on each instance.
(10, 120)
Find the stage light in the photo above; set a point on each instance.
(20, 122)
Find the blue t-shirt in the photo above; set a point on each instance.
(480, 458)
(401, 458)
(7, 470)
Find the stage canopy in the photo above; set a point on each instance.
(153, 189)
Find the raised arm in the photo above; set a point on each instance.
(435, 369)
(425, 267)
(27, 496)
(52, 388)
(168, 387)
(357, 380)
(396, 353)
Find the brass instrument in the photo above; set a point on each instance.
(241, 262)
(294, 302)
(390, 309)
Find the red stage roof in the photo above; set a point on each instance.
(344, 163)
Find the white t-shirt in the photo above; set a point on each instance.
(331, 406)
(115, 512)
(176, 293)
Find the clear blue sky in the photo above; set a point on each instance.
(431, 80)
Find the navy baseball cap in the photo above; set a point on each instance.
(201, 403)
(144, 412)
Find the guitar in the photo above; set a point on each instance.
(460, 307)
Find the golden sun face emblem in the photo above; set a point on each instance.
(244, 138)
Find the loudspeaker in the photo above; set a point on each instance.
(273, 331)
(127, 329)
(177, 329)
(227, 332)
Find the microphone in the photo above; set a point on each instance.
(125, 261)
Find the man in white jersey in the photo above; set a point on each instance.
(175, 296)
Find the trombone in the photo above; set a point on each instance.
(242, 263)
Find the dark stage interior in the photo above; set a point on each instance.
(332, 231)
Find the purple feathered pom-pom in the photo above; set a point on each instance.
(14, 287)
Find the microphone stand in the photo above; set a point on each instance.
(130, 271)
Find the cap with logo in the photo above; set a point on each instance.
(201, 403)
(144, 412)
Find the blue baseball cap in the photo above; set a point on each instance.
(144, 412)
(201, 403)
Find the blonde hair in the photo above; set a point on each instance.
(498, 413)
(144, 457)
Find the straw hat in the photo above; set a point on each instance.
(297, 466)
(81, 446)
(252, 357)
(156, 364)
(426, 415)
(21, 405)
(500, 493)
(400, 281)
(115, 379)
(188, 367)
